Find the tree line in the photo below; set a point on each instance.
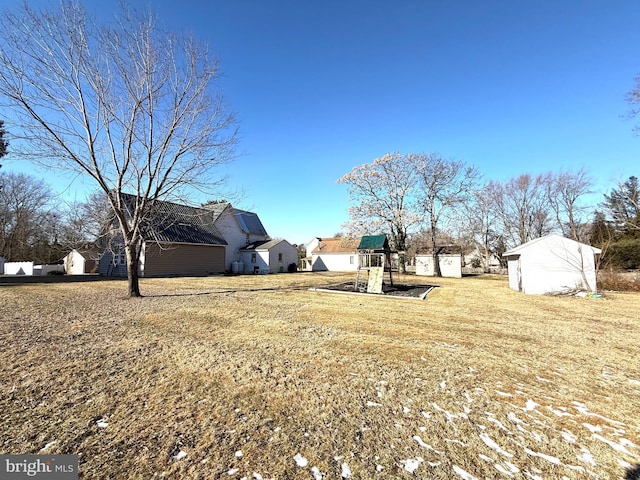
(425, 200)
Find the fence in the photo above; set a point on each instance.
(28, 268)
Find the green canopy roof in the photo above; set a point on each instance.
(374, 242)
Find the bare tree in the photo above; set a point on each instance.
(382, 194)
(26, 218)
(126, 104)
(85, 223)
(444, 185)
(565, 190)
(481, 221)
(522, 207)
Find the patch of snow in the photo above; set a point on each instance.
(532, 476)
(624, 464)
(586, 457)
(499, 424)
(546, 380)
(233, 471)
(238, 454)
(559, 413)
(373, 404)
(485, 458)
(491, 444)
(102, 423)
(468, 397)
(616, 446)
(628, 443)
(582, 408)
(634, 382)
(379, 468)
(512, 467)
(426, 414)
(257, 476)
(450, 416)
(568, 436)
(48, 445)
(425, 445)
(530, 405)
(179, 456)
(464, 475)
(456, 441)
(300, 460)
(592, 428)
(512, 416)
(434, 464)
(443, 384)
(548, 458)
(503, 394)
(345, 470)
(406, 409)
(410, 465)
(503, 470)
(316, 474)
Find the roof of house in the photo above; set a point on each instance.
(262, 245)
(174, 223)
(553, 237)
(89, 253)
(374, 242)
(250, 222)
(336, 245)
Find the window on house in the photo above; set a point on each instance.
(351, 260)
(123, 259)
(280, 257)
(253, 258)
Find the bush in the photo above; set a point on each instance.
(624, 253)
(292, 268)
(617, 280)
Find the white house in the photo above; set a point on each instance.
(80, 261)
(239, 228)
(449, 260)
(332, 254)
(552, 264)
(268, 256)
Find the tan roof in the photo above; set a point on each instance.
(336, 245)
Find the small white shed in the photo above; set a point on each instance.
(552, 264)
(449, 260)
(80, 261)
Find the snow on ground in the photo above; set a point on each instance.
(525, 431)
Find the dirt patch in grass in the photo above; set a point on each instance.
(415, 291)
(231, 377)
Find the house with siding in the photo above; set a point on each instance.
(268, 256)
(331, 254)
(177, 240)
(239, 228)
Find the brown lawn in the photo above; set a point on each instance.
(258, 377)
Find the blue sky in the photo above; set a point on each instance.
(320, 87)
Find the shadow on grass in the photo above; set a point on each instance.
(633, 473)
(234, 290)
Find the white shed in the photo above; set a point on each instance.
(273, 256)
(449, 260)
(552, 264)
(80, 261)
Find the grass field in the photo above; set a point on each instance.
(257, 377)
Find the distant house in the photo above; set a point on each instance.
(552, 264)
(82, 260)
(268, 256)
(177, 240)
(449, 260)
(239, 228)
(332, 254)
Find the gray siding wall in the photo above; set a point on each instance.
(183, 260)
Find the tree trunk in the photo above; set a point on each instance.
(133, 255)
(434, 250)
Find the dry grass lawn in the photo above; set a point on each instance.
(258, 377)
